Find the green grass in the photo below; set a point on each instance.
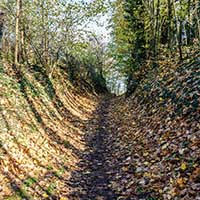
(30, 181)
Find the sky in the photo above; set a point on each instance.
(101, 28)
(100, 24)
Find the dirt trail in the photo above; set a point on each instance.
(91, 181)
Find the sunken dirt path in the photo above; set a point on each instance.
(91, 181)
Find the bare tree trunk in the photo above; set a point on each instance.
(1, 25)
(197, 13)
(17, 31)
(180, 38)
(22, 35)
(169, 10)
(179, 28)
(188, 28)
(156, 32)
(45, 42)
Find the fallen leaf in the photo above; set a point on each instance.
(180, 182)
(183, 166)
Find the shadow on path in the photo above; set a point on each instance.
(91, 182)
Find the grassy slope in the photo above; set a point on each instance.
(156, 144)
(41, 132)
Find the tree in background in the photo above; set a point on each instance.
(51, 34)
(144, 31)
(1, 24)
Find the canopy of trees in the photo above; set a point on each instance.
(52, 34)
(145, 32)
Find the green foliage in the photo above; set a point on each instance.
(53, 33)
(146, 31)
(51, 188)
(22, 193)
(30, 181)
(1, 68)
(49, 167)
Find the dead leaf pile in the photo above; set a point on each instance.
(41, 133)
(155, 137)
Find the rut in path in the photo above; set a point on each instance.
(92, 182)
